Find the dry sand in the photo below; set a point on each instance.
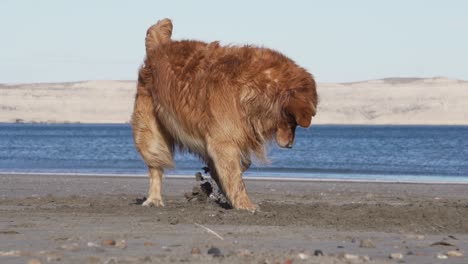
(76, 219)
(431, 101)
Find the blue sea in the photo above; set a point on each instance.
(373, 153)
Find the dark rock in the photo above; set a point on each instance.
(215, 252)
(139, 201)
(318, 252)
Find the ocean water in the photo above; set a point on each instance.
(389, 153)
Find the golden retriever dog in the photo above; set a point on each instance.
(222, 103)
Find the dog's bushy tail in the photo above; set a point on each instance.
(157, 34)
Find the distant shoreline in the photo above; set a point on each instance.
(388, 101)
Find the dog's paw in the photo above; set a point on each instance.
(153, 202)
(247, 206)
(253, 208)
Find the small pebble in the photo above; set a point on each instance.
(350, 257)
(166, 249)
(130, 260)
(174, 221)
(195, 251)
(420, 253)
(34, 261)
(148, 244)
(417, 237)
(288, 261)
(51, 258)
(441, 256)
(367, 243)
(93, 259)
(245, 253)
(121, 244)
(318, 253)
(302, 256)
(110, 261)
(11, 253)
(396, 256)
(215, 252)
(92, 244)
(454, 253)
(70, 247)
(108, 242)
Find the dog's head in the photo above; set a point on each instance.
(298, 110)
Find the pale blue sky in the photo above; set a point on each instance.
(338, 41)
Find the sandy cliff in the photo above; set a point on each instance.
(384, 101)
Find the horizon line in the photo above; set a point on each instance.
(389, 79)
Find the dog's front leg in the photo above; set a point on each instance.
(227, 162)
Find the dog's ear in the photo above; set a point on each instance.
(301, 107)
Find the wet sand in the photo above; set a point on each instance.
(88, 219)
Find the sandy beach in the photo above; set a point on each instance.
(93, 219)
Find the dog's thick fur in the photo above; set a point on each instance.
(221, 103)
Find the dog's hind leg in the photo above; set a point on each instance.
(154, 146)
